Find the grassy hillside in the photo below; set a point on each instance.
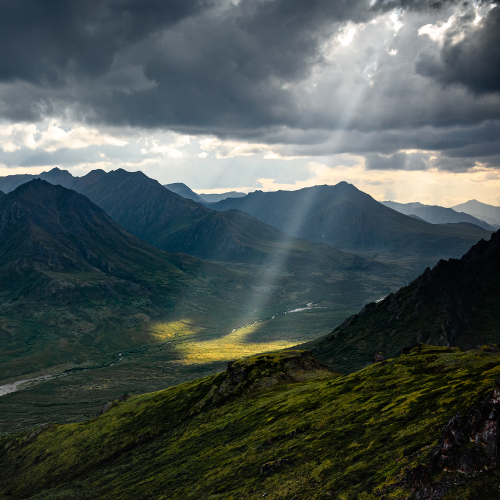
(455, 303)
(275, 426)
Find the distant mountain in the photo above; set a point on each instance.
(184, 191)
(54, 176)
(454, 304)
(488, 213)
(436, 214)
(346, 218)
(214, 198)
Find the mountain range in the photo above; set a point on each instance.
(437, 215)
(215, 197)
(480, 210)
(348, 219)
(453, 304)
(76, 287)
(371, 411)
(186, 192)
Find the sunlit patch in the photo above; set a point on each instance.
(174, 329)
(229, 347)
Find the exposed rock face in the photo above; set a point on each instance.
(266, 370)
(468, 445)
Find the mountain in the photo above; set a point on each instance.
(184, 191)
(77, 288)
(280, 426)
(2, 194)
(454, 304)
(437, 215)
(214, 198)
(348, 219)
(416, 217)
(54, 176)
(488, 213)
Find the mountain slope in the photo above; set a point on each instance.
(489, 213)
(455, 303)
(214, 198)
(436, 214)
(278, 426)
(2, 194)
(348, 219)
(72, 275)
(184, 191)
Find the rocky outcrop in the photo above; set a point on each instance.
(468, 445)
(266, 370)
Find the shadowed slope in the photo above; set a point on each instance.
(346, 218)
(456, 303)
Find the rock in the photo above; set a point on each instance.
(379, 357)
(271, 467)
(124, 397)
(467, 446)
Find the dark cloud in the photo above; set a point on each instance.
(259, 70)
(473, 61)
(43, 41)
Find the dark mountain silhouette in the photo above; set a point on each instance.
(488, 213)
(436, 214)
(2, 194)
(454, 304)
(214, 198)
(346, 218)
(184, 191)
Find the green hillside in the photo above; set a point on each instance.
(277, 426)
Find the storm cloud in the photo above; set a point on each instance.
(306, 77)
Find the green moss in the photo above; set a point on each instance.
(341, 437)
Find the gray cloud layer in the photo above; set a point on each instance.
(263, 70)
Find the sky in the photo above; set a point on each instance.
(400, 98)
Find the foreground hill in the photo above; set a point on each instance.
(489, 213)
(436, 214)
(280, 426)
(455, 303)
(346, 218)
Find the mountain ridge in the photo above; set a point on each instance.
(346, 218)
(437, 215)
(455, 303)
